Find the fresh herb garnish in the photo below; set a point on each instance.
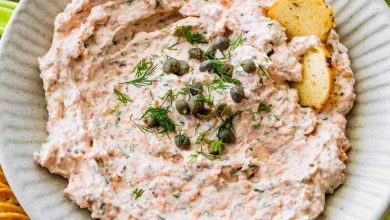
(217, 146)
(264, 72)
(122, 97)
(234, 171)
(277, 117)
(137, 193)
(258, 190)
(206, 98)
(140, 127)
(235, 43)
(176, 195)
(217, 69)
(219, 85)
(143, 70)
(168, 97)
(161, 116)
(201, 138)
(264, 107)
(172, 47)
(190, 36)
(209, 156)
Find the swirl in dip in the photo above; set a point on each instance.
(284, 157)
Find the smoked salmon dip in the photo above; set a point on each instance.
(182, 109)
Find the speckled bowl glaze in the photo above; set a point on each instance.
(364, 27)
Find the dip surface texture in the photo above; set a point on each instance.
(285, 157)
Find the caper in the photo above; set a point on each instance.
(216, 147)
(221, 42)
(223, 110)
(184, 68)
(237, 93)
(171, 66)
(195, 53)
(206, 65)
(249, 66)
(182, 141)
(196, 105)
(150, 121)
(227, 69)
(204, 114)
(196, 88)
(182, 107)
(226, 135)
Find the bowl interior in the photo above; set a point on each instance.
(364, 27)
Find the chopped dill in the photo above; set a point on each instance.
(219, 85)
(161, 116)
(217, 146)
(168, 97)
(122, 97)
(194, 157)
(172, 47)
(176, 195)
(277, 117)
(264, 72)
(235, 43)
(190, 36)
(143, 70)
(137, 193)
(234, 171)
(140, 127)
(264, 107)
(201, 138)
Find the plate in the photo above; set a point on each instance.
(364, 27)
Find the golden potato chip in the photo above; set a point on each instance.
(10, 208)
(13, 216)
(2, 178)
(6, 195)
(3, 186)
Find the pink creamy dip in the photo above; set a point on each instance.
(283, 162)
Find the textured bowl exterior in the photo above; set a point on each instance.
(364, 27)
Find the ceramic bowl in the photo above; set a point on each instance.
(364, 27)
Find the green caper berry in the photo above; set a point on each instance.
(226, 135)
(223, 110)
(150, 121)
(227, 69)
(182, 141)
(249, 66)
(171, 66)
(196, 105)
(184, 68)
(237, 93)
(206, 65)
(195, 53)
(182, 107)
(196, 88)
(221, 43)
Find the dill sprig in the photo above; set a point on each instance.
(264, 108)
(190, 36)
(161, 116)
(137, 193)
(122, 97)
(194, 157)
(219, 85)
(238, 41)
(168, 97)
(217, 146)
(201, 138)
(143, 70)
(265, 73)
(234, 171)
(206, 98)
(139, 126)
(217, 69)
